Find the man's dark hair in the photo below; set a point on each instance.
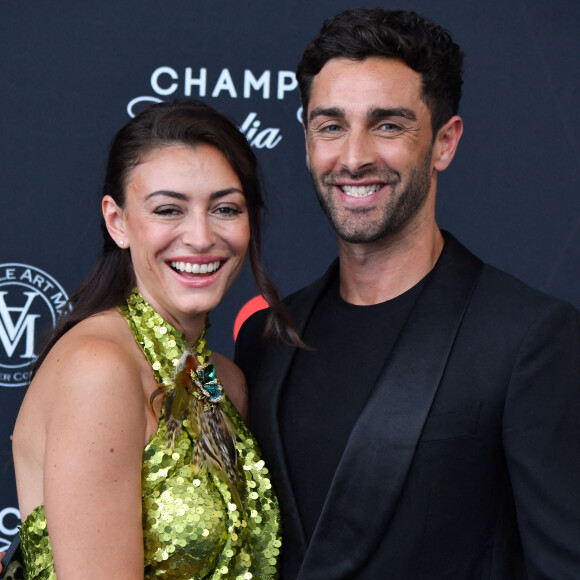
(422, 45)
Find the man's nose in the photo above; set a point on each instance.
(359, 150)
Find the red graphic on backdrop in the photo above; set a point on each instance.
(251, 306)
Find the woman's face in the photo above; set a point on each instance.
(186, 225)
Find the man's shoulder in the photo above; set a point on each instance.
(296, 300)
(503, 289)
(502, 304)
(513, 304)
(251, 344)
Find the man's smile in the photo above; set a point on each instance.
(360, 190)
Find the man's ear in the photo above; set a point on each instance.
(446, 142)
(115, 221)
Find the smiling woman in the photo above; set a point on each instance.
(186, 222)
(132, 458)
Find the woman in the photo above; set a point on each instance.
(124, 445)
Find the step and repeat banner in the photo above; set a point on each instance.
(72, 74)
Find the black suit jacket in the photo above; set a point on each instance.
(465, 462)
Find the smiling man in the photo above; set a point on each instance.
(431, 430)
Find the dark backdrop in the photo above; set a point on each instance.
(69, 70)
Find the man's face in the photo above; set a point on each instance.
(369, 145)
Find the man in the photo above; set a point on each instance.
(431, 429)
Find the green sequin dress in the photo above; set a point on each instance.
(192, 528)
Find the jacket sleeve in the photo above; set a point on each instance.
(541, 431)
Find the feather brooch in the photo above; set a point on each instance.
(196, 396)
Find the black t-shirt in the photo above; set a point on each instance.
(328, 387)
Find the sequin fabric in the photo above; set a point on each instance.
(35, 545)
(192, 529)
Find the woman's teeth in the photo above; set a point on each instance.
(188, 267)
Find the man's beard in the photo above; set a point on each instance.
(401, 206)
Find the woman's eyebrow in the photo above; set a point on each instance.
(184, 197)
(167, 193)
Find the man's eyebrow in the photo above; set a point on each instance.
(326, 112)
(392, 112)
(377, 113)
(184, 197)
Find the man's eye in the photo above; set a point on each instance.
(331, 128)
(390, 127)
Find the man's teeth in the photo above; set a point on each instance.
(196, 268)
(360, 190)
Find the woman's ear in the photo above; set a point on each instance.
(446, 143)
(115, 221)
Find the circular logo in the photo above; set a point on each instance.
(30, 302)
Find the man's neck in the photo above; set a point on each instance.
(377, 272)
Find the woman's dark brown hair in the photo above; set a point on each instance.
(188, 123)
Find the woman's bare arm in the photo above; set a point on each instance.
(94, 436)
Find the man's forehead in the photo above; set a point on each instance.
(351, 65)
(365, 86)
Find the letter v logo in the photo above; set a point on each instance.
(30, 302)
(11, 332)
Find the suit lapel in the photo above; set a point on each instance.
(265, 403)
(364, 491)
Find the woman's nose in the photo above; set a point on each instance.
(198, 233)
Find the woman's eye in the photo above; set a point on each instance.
(167, 210)
(227, 210)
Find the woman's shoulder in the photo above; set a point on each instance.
(96, 350)
(104, 327)
(103, 334)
